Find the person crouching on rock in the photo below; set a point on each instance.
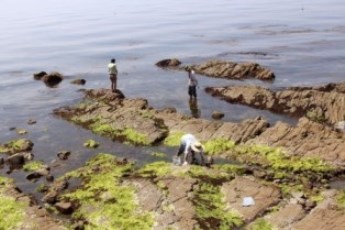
(113, 74)
(189, 146)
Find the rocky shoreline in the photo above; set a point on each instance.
(285, 170)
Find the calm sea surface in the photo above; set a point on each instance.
(303, 42)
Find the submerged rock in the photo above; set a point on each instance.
(78, 81)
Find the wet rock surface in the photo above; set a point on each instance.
(307, 138)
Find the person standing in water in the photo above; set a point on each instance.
(192, 84)
(113, 74)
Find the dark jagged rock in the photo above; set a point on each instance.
(52, 79)
(39, 75)
(63, 155)
(169, 63)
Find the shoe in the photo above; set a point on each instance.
(185, 163)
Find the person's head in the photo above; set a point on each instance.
(113, 60)
(197, 147)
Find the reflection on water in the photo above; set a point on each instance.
(194, 109)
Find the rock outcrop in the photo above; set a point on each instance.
(232, 70)
(222, 69)
(308, 138)
(322, 104)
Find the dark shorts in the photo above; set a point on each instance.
(192, 91)
(113, 77)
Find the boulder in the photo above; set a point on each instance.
(64, 207)
(52, 79)
(217, 115)
(18, 159)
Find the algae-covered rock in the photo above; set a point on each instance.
(17, 211)
(108, 114)
(102, 200)
(15, 146)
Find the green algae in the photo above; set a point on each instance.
(279, 161)
(261, 224)
(103, 201)
(33, 166)
(156, 169)
(91, 144)
(211, 210)
(218, 146)
(158, 154)
(230, 168)
(135, 137)
(173, 139)
(210, 175)
(317, 198)
(341, 199)
(128, 134)
(12, 212)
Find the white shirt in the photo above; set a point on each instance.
(187, 141)
(192, 80)
(112, 68)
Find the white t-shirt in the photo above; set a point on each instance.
(112, 68)
(187, 140)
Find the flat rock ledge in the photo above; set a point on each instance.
(222, 69)
(161, 195)
(111, 114)
(133, 120)
(321, 104)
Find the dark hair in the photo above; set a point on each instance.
(112, 60)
